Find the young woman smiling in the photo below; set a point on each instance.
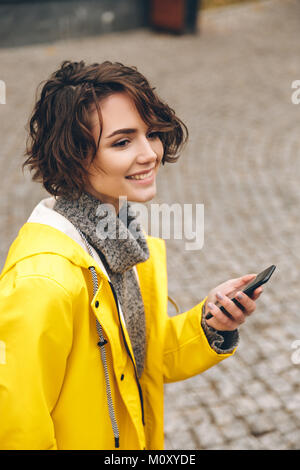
(88, 341)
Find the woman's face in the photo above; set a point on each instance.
(126, 147)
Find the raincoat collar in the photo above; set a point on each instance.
(47, 231)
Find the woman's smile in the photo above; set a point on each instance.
(143, 178)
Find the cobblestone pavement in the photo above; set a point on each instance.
(231, 84)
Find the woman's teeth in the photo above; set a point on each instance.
(140, 177)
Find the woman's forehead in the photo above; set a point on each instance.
(117, 110)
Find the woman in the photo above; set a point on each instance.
(88, 342)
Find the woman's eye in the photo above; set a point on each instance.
(122, 143)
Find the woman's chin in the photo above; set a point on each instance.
(143, 196)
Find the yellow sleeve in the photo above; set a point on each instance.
(186, 349)
(36, 337)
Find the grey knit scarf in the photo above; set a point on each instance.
(120, 243)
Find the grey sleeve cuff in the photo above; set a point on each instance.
(222, 342)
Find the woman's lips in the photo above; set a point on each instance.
(142, 179)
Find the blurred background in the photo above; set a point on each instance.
(227, 68)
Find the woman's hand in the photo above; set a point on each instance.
(227, 291)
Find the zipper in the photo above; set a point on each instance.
(130, 355)
(111, 410)
(101, 345)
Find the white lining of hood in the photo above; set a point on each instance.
(44, 213)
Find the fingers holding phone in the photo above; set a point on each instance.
(227, 316)
(230, 303)
(257, 293)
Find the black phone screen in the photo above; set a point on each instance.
(260, 279)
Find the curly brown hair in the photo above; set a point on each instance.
(60, 141)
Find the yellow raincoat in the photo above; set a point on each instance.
(52, 383)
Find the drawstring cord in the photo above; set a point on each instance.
(101, 345)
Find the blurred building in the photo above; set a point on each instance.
(25, 22)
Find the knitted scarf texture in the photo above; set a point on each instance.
(121, 244)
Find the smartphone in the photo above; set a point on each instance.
(260, 279)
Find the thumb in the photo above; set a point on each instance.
(243, 280)
(248, 278)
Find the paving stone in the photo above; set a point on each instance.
(273, 441)
(285, 423)
(260, 424)
(235, 430)
(222, 414)
(244, 405)
(208, 435)
(293, 439)
(268, 401)
(244, 443)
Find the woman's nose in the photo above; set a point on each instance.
(146, 152)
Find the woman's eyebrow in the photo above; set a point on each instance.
(121, 131)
